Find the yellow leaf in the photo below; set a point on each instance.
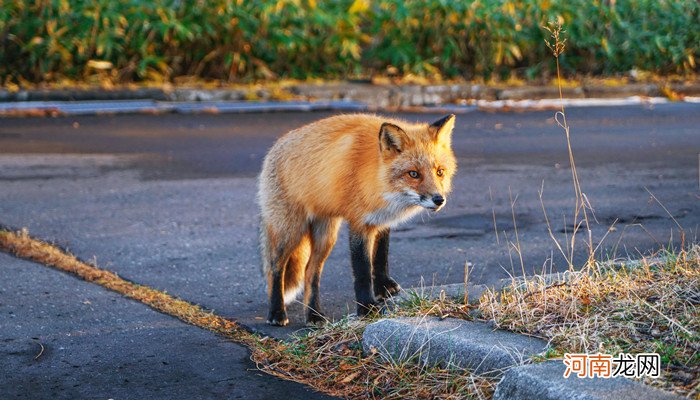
(509, 8)
(350, 377)
(12, 87)
(359, 6)
(499, 54)
(99, 64)
(515, 51)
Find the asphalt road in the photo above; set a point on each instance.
(169, 201)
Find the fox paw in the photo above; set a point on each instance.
(315, 318)
(386, 288)
(278, 318)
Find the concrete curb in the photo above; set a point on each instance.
(372, 95)
(449, 342)
(57, 108)
(474, 292)
(545, 381)
(110, 107)
(483, 350)
(455, 291)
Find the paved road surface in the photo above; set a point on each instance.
(169, 201)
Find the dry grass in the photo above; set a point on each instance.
(26, 247)
(647, 306)
(638, 307)
(329, 360)
(650, 307)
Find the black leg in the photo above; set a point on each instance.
(381, 255)
(278, 312)
(384, 286)
(314, 315)
(362, 270)
(324, 233)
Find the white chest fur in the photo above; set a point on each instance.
(399, 208)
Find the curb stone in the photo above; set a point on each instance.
(640, 89)
(385, 96)
(687, 88)
(83, 95)
(454, 290)
(545, 381)
(477, 347)
(474, 292)
(449, 342)
(155, 107)
(541, 92)
(464, 343)
(372, 95)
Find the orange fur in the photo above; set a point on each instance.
(343, 168)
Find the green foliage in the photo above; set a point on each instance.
(127, 40)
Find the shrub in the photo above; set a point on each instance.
(133, 40)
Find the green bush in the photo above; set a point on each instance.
(132, 40)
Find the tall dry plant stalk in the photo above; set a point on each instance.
(557, 44)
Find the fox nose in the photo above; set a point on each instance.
(438, 200)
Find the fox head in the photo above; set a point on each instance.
(418, 162)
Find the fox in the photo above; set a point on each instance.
(369, 171)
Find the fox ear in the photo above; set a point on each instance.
(391, 138)
(441, 130)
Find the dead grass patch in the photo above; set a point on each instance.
(26, 247)
(332, 358)
(640, 307)
(645, 307)
(329, 360)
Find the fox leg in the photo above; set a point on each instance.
(384, 286)
(361, 245)
(281, 252)
(275, 283)
(324, 233)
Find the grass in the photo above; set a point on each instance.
(24, 246)
(633, 308)
(649, 307)
(329, 360)
(164, 41)
(642, 307)
(602, 307)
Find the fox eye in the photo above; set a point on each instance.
(440, 172)
(414, 174)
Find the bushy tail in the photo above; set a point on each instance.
(294, 271)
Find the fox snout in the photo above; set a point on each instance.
(433, 203)
(438, 200)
